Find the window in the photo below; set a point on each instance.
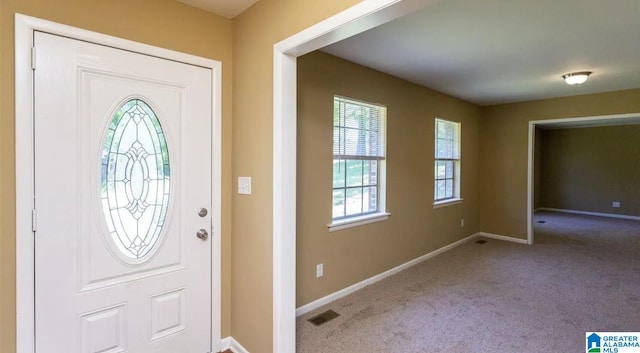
(447, 161)
(135, 180)
(358, 158)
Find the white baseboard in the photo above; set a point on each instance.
(346, 291)
(598, 214)
(233, 345)
(503, 237)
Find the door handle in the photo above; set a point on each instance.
(202, 234)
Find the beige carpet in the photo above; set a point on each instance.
(583, 274)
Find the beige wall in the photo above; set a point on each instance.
(503, 151)
(586, 169)
(163, 23)
(254, 34)
(414, 228)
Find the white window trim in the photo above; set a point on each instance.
(447, 202)
(351, 222)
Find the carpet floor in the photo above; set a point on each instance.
(582, 274)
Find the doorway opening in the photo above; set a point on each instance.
(536, 128)
(354, 20)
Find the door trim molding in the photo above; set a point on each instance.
(25, 26)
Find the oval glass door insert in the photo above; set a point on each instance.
(135, 179)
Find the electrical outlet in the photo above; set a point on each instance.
(616, 204)
(462, 222)
(319, 270)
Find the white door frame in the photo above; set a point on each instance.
(24, 100)
(583, 121)
(359, 18)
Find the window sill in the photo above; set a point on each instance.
(357, 221)
(445, 203)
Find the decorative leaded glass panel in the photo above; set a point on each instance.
(135, 179)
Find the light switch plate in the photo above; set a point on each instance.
(244, 185)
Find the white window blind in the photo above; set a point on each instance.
(358, 130)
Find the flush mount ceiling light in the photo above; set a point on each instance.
(576, 78)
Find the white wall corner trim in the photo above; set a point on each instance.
(233, 345)
(503, 237)
(530, 180)
(587, 213)
(371, 280)
(25, 26)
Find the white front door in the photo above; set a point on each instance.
(123, 195)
